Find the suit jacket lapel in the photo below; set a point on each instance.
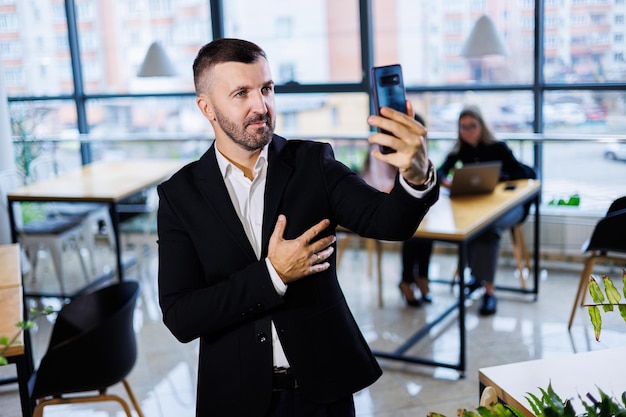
(211, 184)
(279, 170)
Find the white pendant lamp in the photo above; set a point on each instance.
(157, 63)
(483, 40)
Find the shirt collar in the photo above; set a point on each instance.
(226, 166)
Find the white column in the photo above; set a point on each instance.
(7, 157)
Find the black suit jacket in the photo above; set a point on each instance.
(212, 286)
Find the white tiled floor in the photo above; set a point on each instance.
(164, 376)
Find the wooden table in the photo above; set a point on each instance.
(11, 312)
(107, 182)
(570, 376)
(459, 220)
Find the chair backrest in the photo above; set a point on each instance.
(616, 205)
(609, 235)
(93, 343)
(10, 179)
(44, 167)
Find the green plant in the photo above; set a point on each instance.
(7, 342)
(613, 298)
(549, 404)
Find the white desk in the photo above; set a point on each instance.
(570, 376)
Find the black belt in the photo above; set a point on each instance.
(283, 379)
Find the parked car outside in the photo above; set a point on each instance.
(615, 151)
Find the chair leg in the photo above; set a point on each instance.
(341, 247)
(523, 247)
(378, 247)
(133, 399)
(56, 251)
(89, 241)
(520, 252)
(103, 397)
(370, 246)
(582, 288)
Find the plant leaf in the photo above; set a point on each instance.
(596, 320)
(3, 361)
(535, 404)
(4, 340)
(611, 292)
(595, 291)
(515, 411)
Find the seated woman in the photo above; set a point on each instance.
(476, 143)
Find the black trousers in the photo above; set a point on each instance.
(416, 258)
(293, 403)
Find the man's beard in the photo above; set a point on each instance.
(241, 136)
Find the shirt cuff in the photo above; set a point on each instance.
(431, 181)
(279, 285)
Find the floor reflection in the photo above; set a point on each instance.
(164, 378)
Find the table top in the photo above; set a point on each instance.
(10, 272)
(456, 218)
(103, 181)
(570, 376)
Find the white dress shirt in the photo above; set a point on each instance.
(249, 202)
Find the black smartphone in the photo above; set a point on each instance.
(388, 91)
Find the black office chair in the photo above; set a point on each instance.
(607, 243)
(92, 347)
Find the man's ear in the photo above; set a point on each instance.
(205, 107)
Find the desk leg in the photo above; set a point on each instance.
(462, 338)
(115, 220)
(23, 377)
(536, 244)
(12, 221)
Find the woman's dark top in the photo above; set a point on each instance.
(512, 169)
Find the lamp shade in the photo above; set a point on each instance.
(483, 40)
(157, 63)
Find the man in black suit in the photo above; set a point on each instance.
(247, 241)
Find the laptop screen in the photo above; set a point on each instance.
(477, 178)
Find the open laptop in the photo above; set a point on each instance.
(478, 178)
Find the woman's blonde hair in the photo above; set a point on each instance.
(486, 135)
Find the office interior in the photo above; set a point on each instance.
(78, 90)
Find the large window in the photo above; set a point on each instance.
(318, 40)
(70, 66)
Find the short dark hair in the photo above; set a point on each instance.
(224, 50)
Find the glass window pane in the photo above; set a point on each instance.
(319, 115)
(585, 169)
(119, 117)
(34, 49)
(114, 37)
(306, 42)
(44, 127)
(427, 38)
(43, 118)
(590, 112)
(441, 112)
(503, 111)
(584, 42)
